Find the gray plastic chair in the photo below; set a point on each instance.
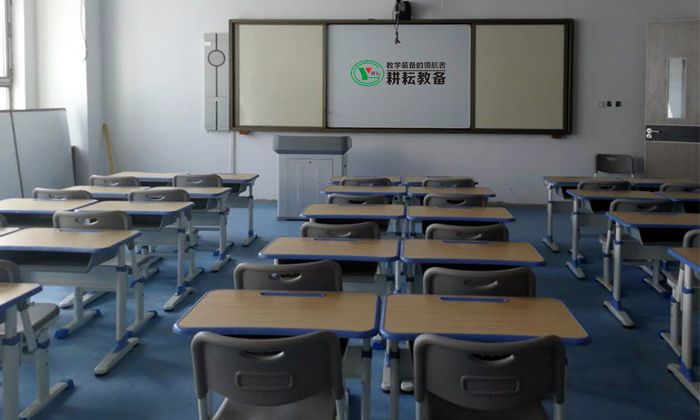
(437, 182)
(159, 194)
(614, 164)
(114, 181)
(54, 194)
(324, 276)
(365, 181)
(604, 185)
(197, 180)
(358, 199)
(94, 220)
(692, 238)
(681, 187)
(364, 230)
(454, 200)
(457, 379)
(518, 281)
(281, 378)
(494, 232)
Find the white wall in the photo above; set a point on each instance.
(153, 91)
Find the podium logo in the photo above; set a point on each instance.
(367, 73)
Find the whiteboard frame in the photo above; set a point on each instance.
(567, 103)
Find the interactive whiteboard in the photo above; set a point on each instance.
(423, 82)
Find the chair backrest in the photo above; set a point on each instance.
(96, 220)
(632, 205)
(3, 221)
(9, 272)
(159, 194)
(197, 180)
(494, 232)
(681, 187)
(692, 238)
(268, 372)
(325, 276)
(457, 374)
(365, 181)
(614, 164)
(604, 185)
(518, 281)
(114, 181)
(358, 199)
(364, 230)
(454, 200)
(55, 194)
(437, 182)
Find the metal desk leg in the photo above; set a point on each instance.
(223, 243)
(671, 336)
(399, 228)
(142, 317)
(251, 231)
(193, 270)
(684, 371)
(10, 365)
(653, 281)
(80, 316)
(574, 265)
(125, 341)
(615, 306)
(183, 285)
(549, 239)
(393, 349)
(366, 379)
(397, 276)
(605, 279)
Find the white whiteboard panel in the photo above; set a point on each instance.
(280, 75)
(9, 175)
(44, 149)
(373, 82)
(519, 80)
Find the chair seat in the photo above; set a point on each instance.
(444, 410)
(319, 406)
(40, 314)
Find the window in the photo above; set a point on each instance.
(5, 54)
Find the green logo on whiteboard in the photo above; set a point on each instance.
(367, 73)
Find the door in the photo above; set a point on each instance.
(672, 100)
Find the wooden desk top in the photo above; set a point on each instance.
(470, 252)
(34, 206)
(417, 181)
(478, 191)
(687, 255)
(11, 293)
(656, 220)
(107, 192)
(168, 176)
(255, 312)
(654, 182)
(141, 207)
(466, 214)
(55, 240)
(354, 211)
(612, 195)
(393, 179)
(332, 249)
(342, 189)
(7, 230)
(680, 196)
(203, 192)
(572, 181)
(479, 318)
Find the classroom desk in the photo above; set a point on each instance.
(238, 183)
(639, 225)
(339, 249)
(10, 295)
(437, 251)
(363, 212)
(107, 193)
(30, 212)
(394, 191)
(456, 214)
(683, 371)
(214, 219)
(595, 204)
(491, 319)
(688, 201)
(155, 233)
(476, 191)
(394, 180)
(274, 313)
(73, 258)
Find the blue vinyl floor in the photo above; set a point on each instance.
(620, 375)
